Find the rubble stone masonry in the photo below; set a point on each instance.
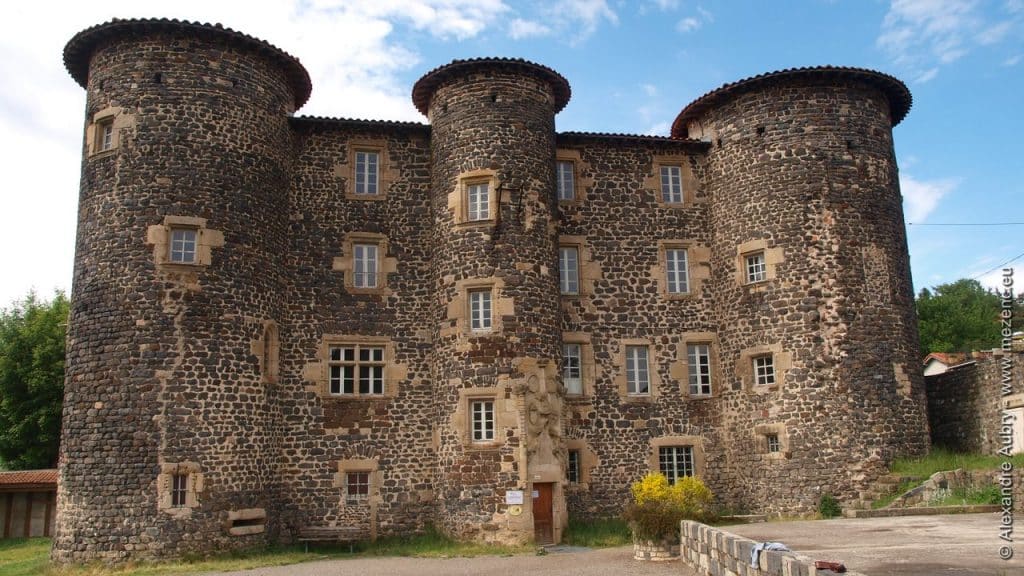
(238, 372)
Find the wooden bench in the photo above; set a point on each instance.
(330, 534)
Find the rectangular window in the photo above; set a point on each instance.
(671, 185)
(479, 205)
(773, 443)
(569, 269)
(675, 462)
(483, 420)
(365, 273)
(756, 269)
(677, 271)
(699, 359)
(480, 310)
(356, 370)
(572, 469)
(566, 177)
(764, 371)
(357, 487)
(106, 134)
(572, 369)
(638, 382)
(367, 172)
(179, 489)
(183, 245)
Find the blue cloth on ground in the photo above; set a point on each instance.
(755, 552)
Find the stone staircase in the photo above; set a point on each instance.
(884, 486)
(915, 500)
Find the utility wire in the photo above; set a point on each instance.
(1015, 258)
(967, 224)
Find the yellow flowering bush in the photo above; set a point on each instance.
(658, 507)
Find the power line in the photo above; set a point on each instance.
(1011, 260)
(967, 224)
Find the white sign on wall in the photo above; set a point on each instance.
(513, 497)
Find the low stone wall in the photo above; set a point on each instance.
(657, 551)
(710, 550)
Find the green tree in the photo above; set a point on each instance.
(32, 380)
(958, 317)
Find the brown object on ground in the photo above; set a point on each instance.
(828, 565)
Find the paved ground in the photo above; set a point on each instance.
(953, 545)
(606, 562)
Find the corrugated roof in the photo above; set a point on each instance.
(79, 49)
(900, 99)
(28, 477)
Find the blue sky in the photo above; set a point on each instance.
(632, 66)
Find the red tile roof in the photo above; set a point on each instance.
(28, 477)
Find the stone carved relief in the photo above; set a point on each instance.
(544, 443)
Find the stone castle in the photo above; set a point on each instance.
(286, 323)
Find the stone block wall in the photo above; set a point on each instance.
(710, 550)
(964, 403)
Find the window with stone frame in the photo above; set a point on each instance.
(572, 368)
(480, 310)
(478, 201)
(676, 462)
(105, 134)
(566, 180)
(638, 379)
(569, 269)
(357, 486)
(756, 267)
(355, 370)
(772, 441)
(764, 370)
(182, 247)
(572, 467)
(698, 358)
(366, 265)
(671, 184)
(179, 490)
(367, 172)
(677, 271)
(481, 420)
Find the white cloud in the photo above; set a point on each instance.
(920, 197)
(658, 129)
(688, 24)
(650, 89)
(927, 75)
(581, 16)
(918, 34)
(519, 29)
(666, 5)
(1012, 60)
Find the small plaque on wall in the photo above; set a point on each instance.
(513, 497)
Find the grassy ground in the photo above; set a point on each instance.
(940, 459)
(598, 533)
(20, 557)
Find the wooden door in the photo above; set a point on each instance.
(543, 524)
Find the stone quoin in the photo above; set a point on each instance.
(284, 325)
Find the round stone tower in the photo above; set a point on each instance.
(497, 341)
(811, 281)
(169, 442)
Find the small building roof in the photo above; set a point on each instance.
(28, 479)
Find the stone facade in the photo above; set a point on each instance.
(236, 375)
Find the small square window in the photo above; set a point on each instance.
(638, 381)
(482, 420)
(572, 373)
(566, 179)
(357, 487)
(183, 245)
(365, 266)
(480, 310)
(699, 361)
(572, 469)
(671, 185)
(764, 371)
(479, 202)
(105, 135)
(773, 443)
(179, 490)
(367, 172)
(349, 376)
(569, 269)
(756, 269)
(676, 270)
(675, 462)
